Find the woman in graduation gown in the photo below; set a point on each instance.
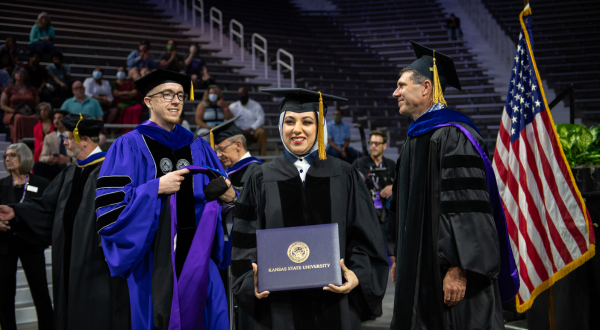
(299, 188)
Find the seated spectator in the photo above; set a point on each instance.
(196, 68)
(60, 76)
(140, 63)
(252, 118)
(53, 157)
(41, 37)
(338, 137)
(100, 89)
(126, 99)
(42, 128)
(4, 80)
(212, 110)
(6, 63)
(81, 103)
(10, 46)
(38, 76)
(453, 26)
(170, 60)
(18, 101)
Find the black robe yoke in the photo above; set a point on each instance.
(443, 218)
(276, 197)
(239, 178)
(85, 295)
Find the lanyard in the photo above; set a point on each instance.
(24, 187)
(376, 181)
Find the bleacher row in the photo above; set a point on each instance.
(567, 46)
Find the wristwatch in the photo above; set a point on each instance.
(233, 201)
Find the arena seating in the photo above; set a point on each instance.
(567, 44)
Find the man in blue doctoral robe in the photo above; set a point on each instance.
(169, 249)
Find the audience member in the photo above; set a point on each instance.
(42, 128)
(18, 101)
(10, 46)
(453, 25)
(196, 68)
(6, 63)
(4, 80)
(81, 103)
(338, 134)
(170, 60)
(38, 76)
(41, 37)
(60, 76)
(212, 110)
(18, 187)
(126, 99)
(53, 157)
(140, 62)
(252, 118)
(100, 89)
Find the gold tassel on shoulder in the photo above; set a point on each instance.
(438, 95)
(192, 91)
(76, 130)
(321, 128)
(212, 138)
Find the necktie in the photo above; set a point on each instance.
(61, 145)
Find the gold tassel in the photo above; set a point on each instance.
(212, 139)
(76, 130)
(192, 91)
(321, 128)
(438, 95)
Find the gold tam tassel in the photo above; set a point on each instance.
(76, 130)
(321, 128)
(438, 95)
(192, 91)
(212, 139)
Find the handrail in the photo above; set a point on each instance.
(288, 66)
(219, 21)
(185, 10)
(263, 50)
(201, 10)
(238, 34)
(571, 93)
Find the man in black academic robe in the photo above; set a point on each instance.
(85, 295)
(447, 257)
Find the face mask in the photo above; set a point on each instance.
(121, 75)
(213, 97)
(169, 47)
(337, 119)
(97, 74)
(244, 99)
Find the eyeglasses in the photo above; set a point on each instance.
(222, 149)
(376, 144)
(169, 95)
(11, 156)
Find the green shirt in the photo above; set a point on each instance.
(89, 107)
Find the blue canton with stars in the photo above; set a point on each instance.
(524, 100)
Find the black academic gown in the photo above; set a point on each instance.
(85, 295)
(276, 197)
(443, 218)
(239, 178)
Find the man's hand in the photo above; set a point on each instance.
(393, 269)
(263, 294)
(4, 226)
(170, 183)
(62, 84)
(173, 54)
(47, 38)
(386, 192)
(343, 153)
(62, 159)
(229, 195)
(351, 281)
(6, 213)
(455, 285)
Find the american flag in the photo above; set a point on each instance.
(548, 223)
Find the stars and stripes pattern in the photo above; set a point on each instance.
(547, 221)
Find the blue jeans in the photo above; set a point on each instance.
(351, 154)
(454, 33)
(44, 47)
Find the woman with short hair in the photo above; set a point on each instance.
(42, 128)
(41, 37)
(17, 187)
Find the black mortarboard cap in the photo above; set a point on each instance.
(225, 130)
(83, 124)
(301, 100)
(445, 66)
(160, 76)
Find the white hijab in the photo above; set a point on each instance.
(315, 145)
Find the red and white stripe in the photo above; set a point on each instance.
(545, 216)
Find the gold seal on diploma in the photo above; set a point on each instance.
(298, 252)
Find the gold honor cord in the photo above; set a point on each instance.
(76, 130)
(321, 133)
(438, 95)
(92, 163)
(212, 138)
(192, 91)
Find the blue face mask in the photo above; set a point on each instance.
(121, 75)
(97, 74)
(213, 97)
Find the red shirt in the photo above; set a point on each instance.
(38, 136)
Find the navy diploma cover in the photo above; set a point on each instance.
(294, 258)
